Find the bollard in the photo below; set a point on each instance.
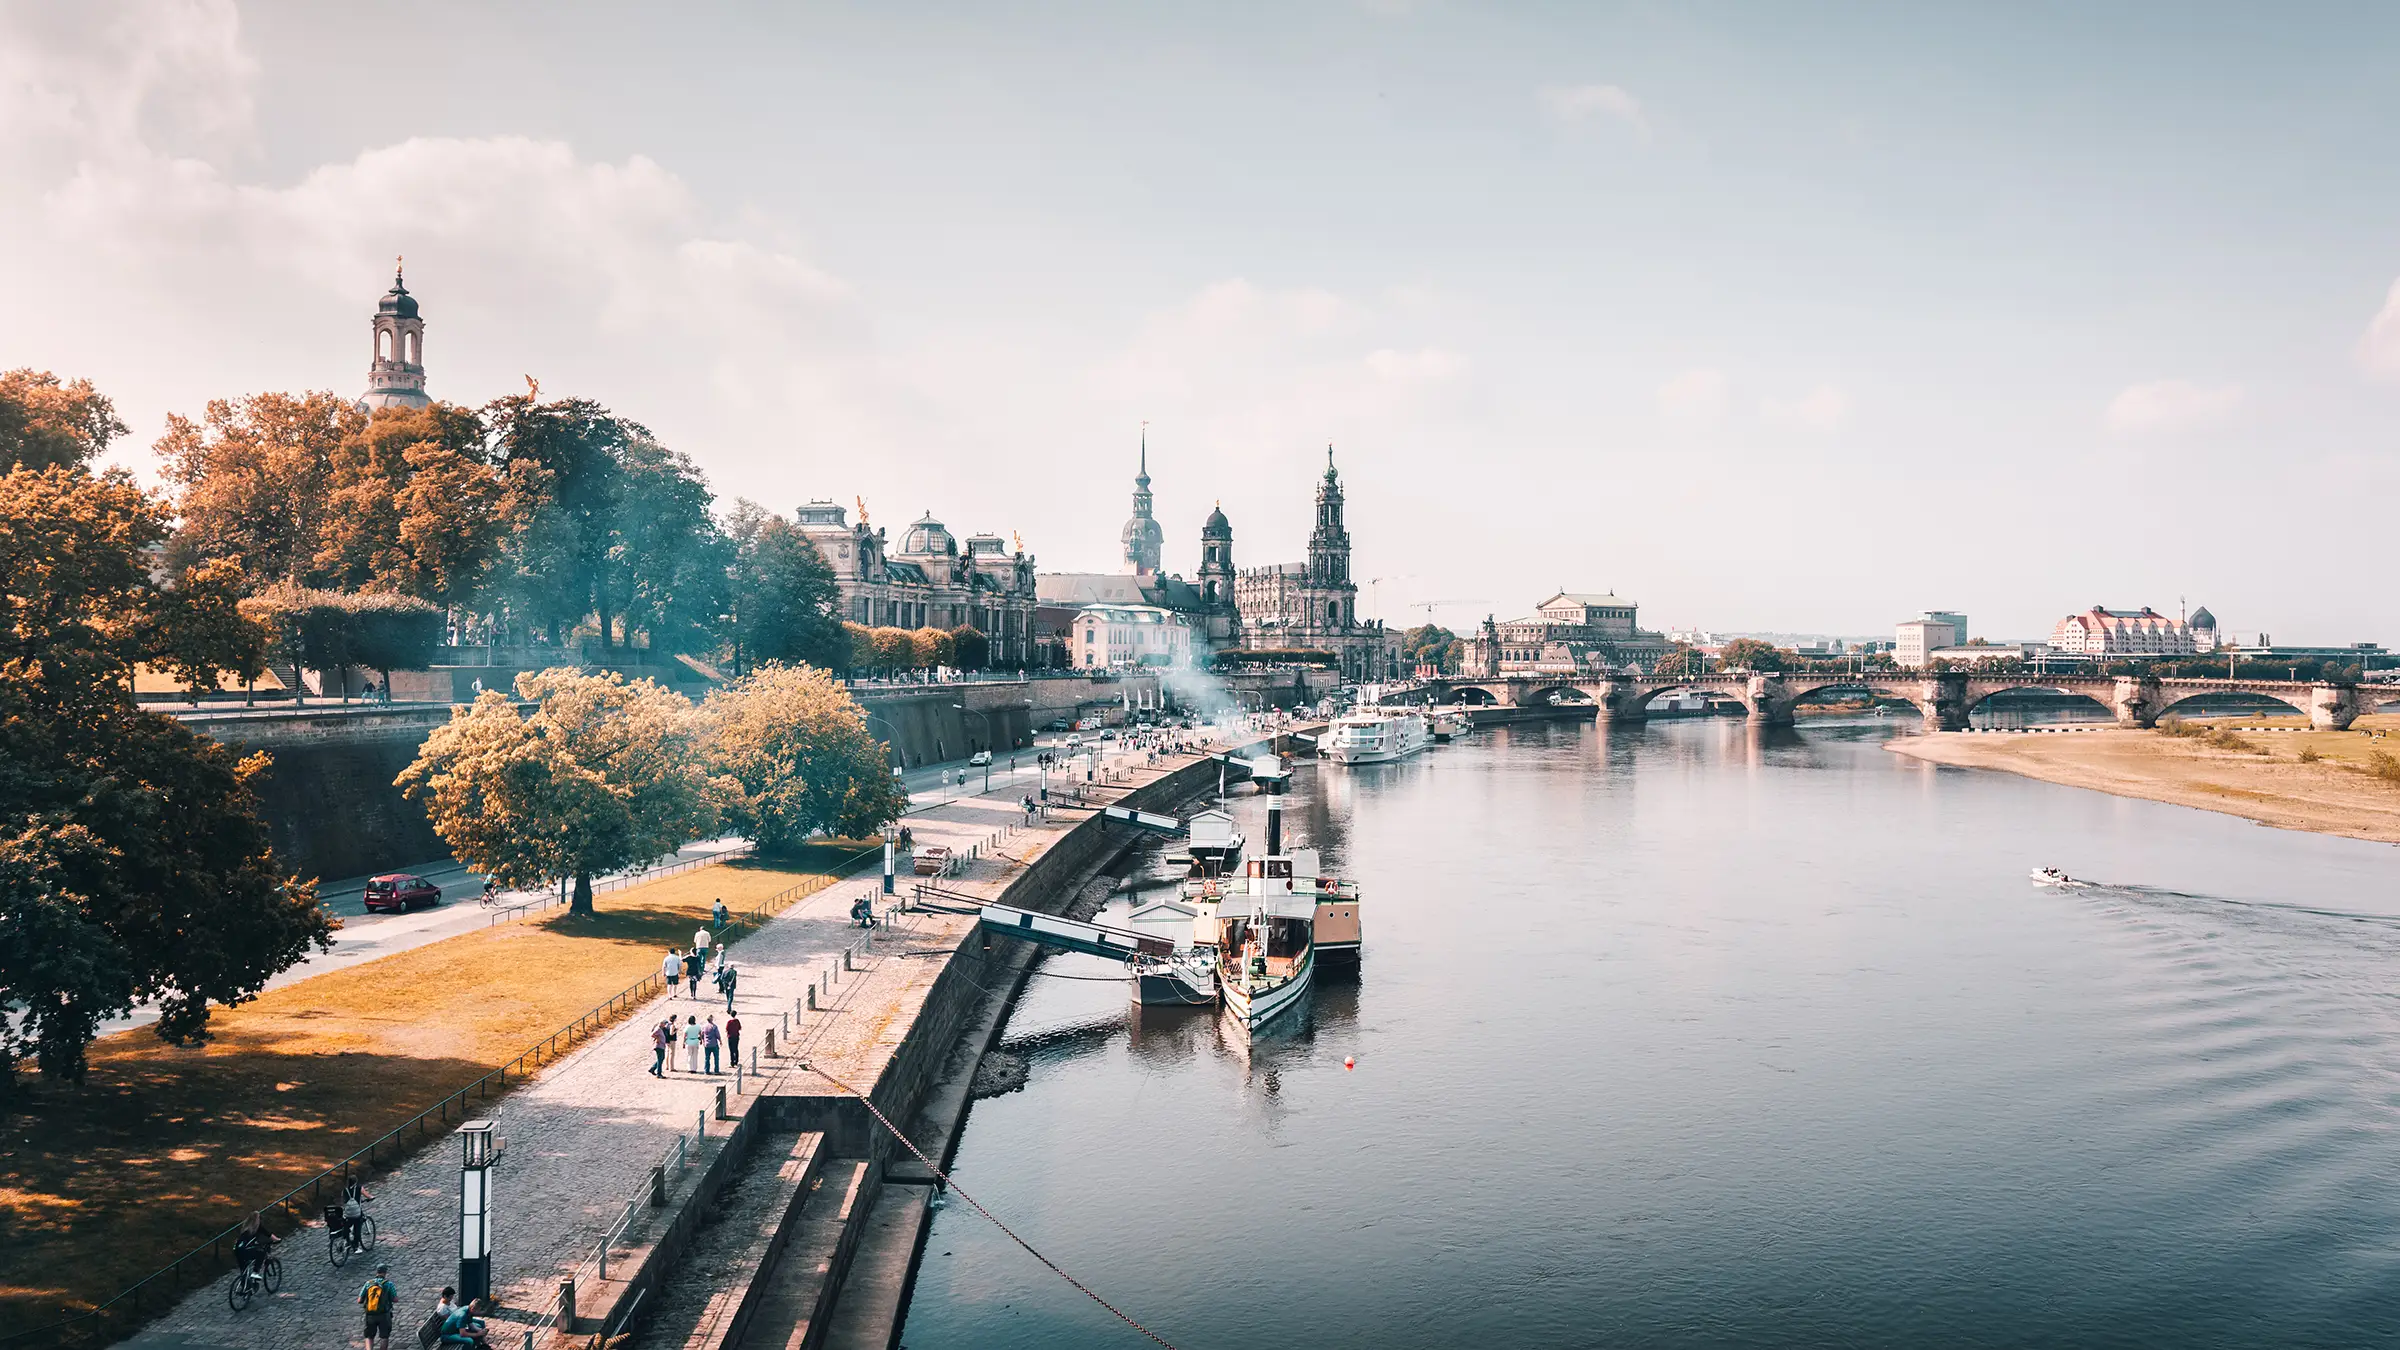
(737, 1075)
(701, 1130)
(754, 1055)
(566, 1304)
(812, 998)
(721, 1095)
(658, 1186)
(846, 960)
(770, 1050)
(787, 1026)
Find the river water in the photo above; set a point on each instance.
(1697, 1035)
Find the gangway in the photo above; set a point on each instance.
(1071, 935)
(1142, 820)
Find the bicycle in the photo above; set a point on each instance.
(340, 1244)
(248, 1282)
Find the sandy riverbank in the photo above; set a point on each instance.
(2267, 783)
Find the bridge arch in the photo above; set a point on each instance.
(2243, 701)
(1554, 695)
(1468, 695)
(1979, 699)
(1645, 696)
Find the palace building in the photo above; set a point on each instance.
(929, 581)
(1569, 633)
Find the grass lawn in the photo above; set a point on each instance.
(164, 1148)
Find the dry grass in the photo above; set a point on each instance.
(164, 1148)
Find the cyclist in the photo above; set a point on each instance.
(491, 890)
(253, 1245)
(376, 1298)
(355, 1196)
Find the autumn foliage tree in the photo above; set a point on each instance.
(795, 748)
(133, 863)
(601, 775)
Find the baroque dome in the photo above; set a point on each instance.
(928, 538)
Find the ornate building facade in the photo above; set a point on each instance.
(1205, 606)
(929, 581)
(1313, 606)
(396, 374)
(1569, 633)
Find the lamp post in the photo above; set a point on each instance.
(891, 843)
(475, 1210)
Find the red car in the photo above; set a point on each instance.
(399, 892)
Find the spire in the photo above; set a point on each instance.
(1141, 477)
(398, 271)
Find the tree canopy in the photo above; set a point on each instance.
(795, 746)
(133, 864)
(1753, 654)
(601, 775)
(784, 606)
(48, 423)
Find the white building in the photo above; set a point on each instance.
(1917, 639)
(1131, 635)
(2134, 632)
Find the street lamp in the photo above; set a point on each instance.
(475, 1210)
(891, 842)
(893, 744)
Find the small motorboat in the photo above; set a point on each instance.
(2051, 876)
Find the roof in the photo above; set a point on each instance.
(397, 301)
(1087, 588)
(1585, 598)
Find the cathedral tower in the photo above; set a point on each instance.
(1143, 537)
(1329, 543)
(396, 379)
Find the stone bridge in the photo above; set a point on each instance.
(1944, 699)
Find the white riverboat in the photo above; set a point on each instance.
(1270, 926)
(1375, 737)
(1448, 725)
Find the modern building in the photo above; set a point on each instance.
(929, 581)
(1108, 636)
(2103, 633)
(1310, 606)
(396, 375)
(1572, 632)
(1915, 640)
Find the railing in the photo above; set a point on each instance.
(132, 1300)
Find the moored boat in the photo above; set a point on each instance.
(1374, 737)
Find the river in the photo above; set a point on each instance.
(1698, 1035)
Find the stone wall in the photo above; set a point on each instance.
(328, 797)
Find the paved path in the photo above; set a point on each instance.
(584, 1134)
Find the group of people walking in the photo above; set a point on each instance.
(702, 1042)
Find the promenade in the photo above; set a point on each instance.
(584, 1135)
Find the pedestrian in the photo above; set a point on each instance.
(431, 1331)
(672, 968)
(702, 937)
(691, 1045)
(733, 1037)
(719, 913)
(662, 1037)
(727, 978)
(711, 1039)
(692, 967)
(376, 1298)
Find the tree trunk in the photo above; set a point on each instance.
(582, 903)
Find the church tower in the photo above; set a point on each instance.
(1143, 537)
(1329, 543)
(396, 379)
(1216, 559)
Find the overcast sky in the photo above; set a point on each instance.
(1766, 316)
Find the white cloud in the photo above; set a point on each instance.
(1581, 102)
(2170, 406)
(1695, 400)
(2379, 346)
(1820, 409)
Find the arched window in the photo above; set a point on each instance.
(408, 344)
(383, 344)
(1333, 611)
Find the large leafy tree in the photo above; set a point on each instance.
(200, 633)
(796, 746)
(417, 508)
(784, 605)
(665, 569)
(1753, 654)
(46, 422)
(133, 864)
(602, 774)
(563, 459)
(256, 480)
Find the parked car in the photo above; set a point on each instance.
(1062, 724)
(979, 759)
(1074, 738)
(398, 892)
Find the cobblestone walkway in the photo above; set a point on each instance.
(584, 1134)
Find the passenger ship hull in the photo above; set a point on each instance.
(1255, 1008)
(1401, 737)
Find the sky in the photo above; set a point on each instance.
(1765, 316)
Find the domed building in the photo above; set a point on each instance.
(927, 582)
(396, 375)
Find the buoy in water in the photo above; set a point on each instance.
(1349, 1063)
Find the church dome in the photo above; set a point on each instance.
(2201, 618)
(1217, 526)
(397, 302)
(928, 538)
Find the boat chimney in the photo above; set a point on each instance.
(1274, 829)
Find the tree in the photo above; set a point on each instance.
(46, 423)
(665, 570)
(1426, 644)
(1752, 654)
(785, 606)
(862, 646)
(796, 746)
(562, 465)
(602, 774)
(1681, 661)
(417, 508)
(895, 649)
(201, 633)
(971, 649)
(133, 864)
(256, 480)
(391, 632)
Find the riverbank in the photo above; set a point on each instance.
(2261, 774)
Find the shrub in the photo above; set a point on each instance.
(2383, 766)
(2172, 725)
(2309, 755)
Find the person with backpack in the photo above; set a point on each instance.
(376, 1298)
